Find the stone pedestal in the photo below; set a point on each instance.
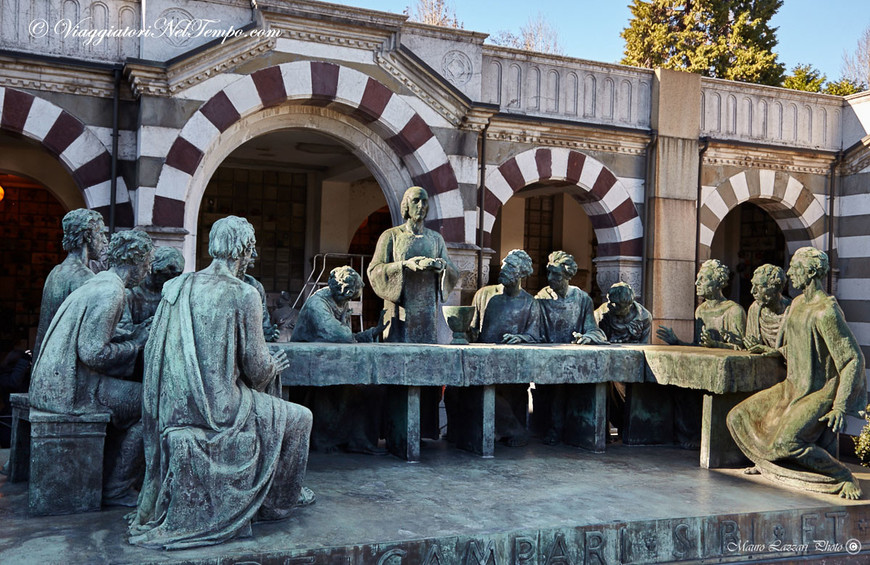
(66, 465)
(586, 416)
(402, 428)
(717, 446)
(473, 425)
(19, 452)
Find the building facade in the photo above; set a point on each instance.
(311, 119)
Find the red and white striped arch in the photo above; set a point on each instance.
(796, 210)
(605, 199)
(343, 89)
(75, 146)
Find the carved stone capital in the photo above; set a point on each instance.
(611, 270)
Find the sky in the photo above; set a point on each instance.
(815, 32)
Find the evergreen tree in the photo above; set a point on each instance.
(805, 77)
(729, 39)
(844, 87)
(811, 79)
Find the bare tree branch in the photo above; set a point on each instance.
(856, 65)
(434, 12)
(537, 34)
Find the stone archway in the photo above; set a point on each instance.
(68, 139)
(614, 217)
(797, 211)
(343, 90)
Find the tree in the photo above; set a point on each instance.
(805, 77)
(537, 34)
(810, 79)
(434, 12)
(844, 87)
(856, 66)
(729, 39)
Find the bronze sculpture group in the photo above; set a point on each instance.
(209, 403)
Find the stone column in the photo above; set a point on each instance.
(675, 115)
(171, 237)
(610, 270)
(464, 256)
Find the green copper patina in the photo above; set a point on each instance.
(143, 298)
(768, 312)
(413, 273)
(568, 317)
(84, 241)
(790, 430)
(83, 363)
(345, 416)
(506, 313)
(220, 450)
(718, 322)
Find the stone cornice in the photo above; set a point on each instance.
(51, 77)
(523, 56)
(155, 80)
(423, 85)
(768, 158)
(344, 16)
(302, 30)
(146, 79)
(477, 117)
(857, 159)
(581, 137)
(192, 71)
(445, 33)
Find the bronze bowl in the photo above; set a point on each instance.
(459, 320)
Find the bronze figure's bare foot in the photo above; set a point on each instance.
(851, 490)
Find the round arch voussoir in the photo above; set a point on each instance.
(68, 139)
(614, 217)
(315, 83)
(796, 210)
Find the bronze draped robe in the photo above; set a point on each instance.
(564, 316)
(619, 330)
(63, 279)
(411, 297)
(219, 450)
(779, 428)
(720, 319)
(765, 331)
(496, 314)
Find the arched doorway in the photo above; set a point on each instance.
(383, 131)
(541, 219)
(363, 243)
(747, 238)
(30, 246)
(305, 192)
(607, 205)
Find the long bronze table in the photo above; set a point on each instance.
(478, 367)
(724, 377)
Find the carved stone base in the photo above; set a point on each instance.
(66, 466)
(19, 452)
